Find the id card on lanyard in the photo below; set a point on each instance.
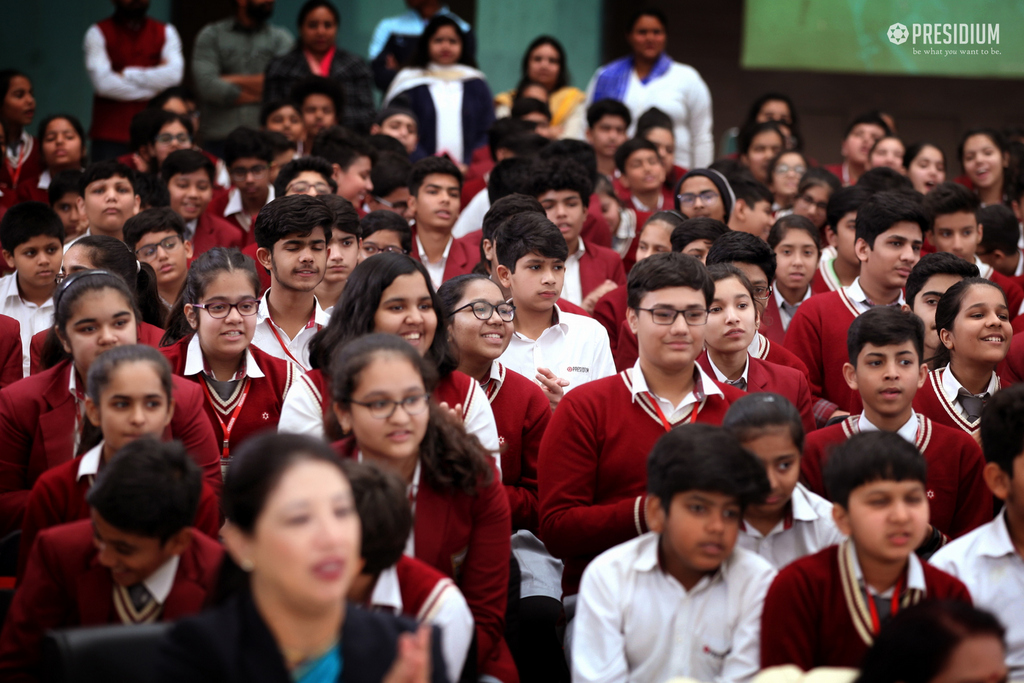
(691, 418)
(225, 454)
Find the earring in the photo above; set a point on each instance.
(247, 565)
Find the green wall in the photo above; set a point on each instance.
(49, 48)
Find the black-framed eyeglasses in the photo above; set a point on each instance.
(370, 249)
(762, 293)
(384, 408)
(221, 309)
(302, 187)
(667, 316)
(168, 138)
(168, 244)
(808, 199)
(483, 310)
(708, 197)
(241, 172)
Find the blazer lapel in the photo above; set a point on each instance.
(757, 377)
(58, 422)
(95, 595)
(590, 278)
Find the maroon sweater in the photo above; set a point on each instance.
(806, 619)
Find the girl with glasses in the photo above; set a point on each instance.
(380, 389)
(209, 341)
(388, 293)
(784, 173)
(733, 320)
(480, 329)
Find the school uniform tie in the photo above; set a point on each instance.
(140, 596)
(740, 383)
(972, 405)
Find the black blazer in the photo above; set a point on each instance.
(232, 644)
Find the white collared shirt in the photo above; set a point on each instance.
(446, 608)
(89, 465)
(160, 582)
(915, 575)
(1020, 265)
(673, 412)
(859, 298)
(572, 286)
(908, 431)
(808, 529)
(636, 622)
(471, 218)
(787, 311)
(44, 180)
(575, 348)
(720, 376)
(279, 345)
(434, 269)
(32, 318)
(194, 364)
(989, 564)
(237, 211)
(755, 346)
(951, 388)
(190, 229)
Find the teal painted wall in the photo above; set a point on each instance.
(44, 39)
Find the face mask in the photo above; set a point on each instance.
(259, 12)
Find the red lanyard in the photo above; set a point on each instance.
(15, 170)
(273, 328)
(664, 420)
(875, 623)
(234, 416)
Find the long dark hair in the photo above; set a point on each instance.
(453, 460)
(354, 313)
(203, 271)
(755, 414)
(563, 69)
(948, 309)
(109, 253)
(421, 55)
(793, 125)
(64, 299)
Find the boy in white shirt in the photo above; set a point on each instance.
(561, 350)
(989, 559)
(681, 600)
(32, 237)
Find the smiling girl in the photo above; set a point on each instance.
(973, 323)
(209, 341)
(129, 396)
(42, 417)
(733, 320)
(381, 393)
(388, 293)
(984, 157)
(925, 165)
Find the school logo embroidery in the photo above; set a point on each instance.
(898, 34)
(266, 416)
(501, 441)
(931, 494)
(716, 654)
(578, 368)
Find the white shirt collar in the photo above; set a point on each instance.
(320, 316)
(194, 360)
(908, 431)
(560, 326)
(721, 377)
(951, 386)
(995, 540)
(580, 250)
(9, 292)
(856, 293)
(780, 301)
(755, 346)
(387, 592)
(802, 508)
(160, 582)
(915, 573)
(647, 561)
(235, 201)
(639, 385)
(44, 180)
(423, 254)
(89, 465)
(190, 229)
(640, 206)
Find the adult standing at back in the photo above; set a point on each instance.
(130, 59)
(650, 78)
(228, 62)
(317, 54)
(394, 39)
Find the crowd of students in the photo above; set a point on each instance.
(503, 388)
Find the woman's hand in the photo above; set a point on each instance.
(412, 665)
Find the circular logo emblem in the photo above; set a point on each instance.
(898, 34)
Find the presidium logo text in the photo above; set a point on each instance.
(945, 34)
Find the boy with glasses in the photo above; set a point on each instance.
(157, 237)
(705, 192)
(248, 156)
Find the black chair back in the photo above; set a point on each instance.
(9, 553)
(102, 654)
